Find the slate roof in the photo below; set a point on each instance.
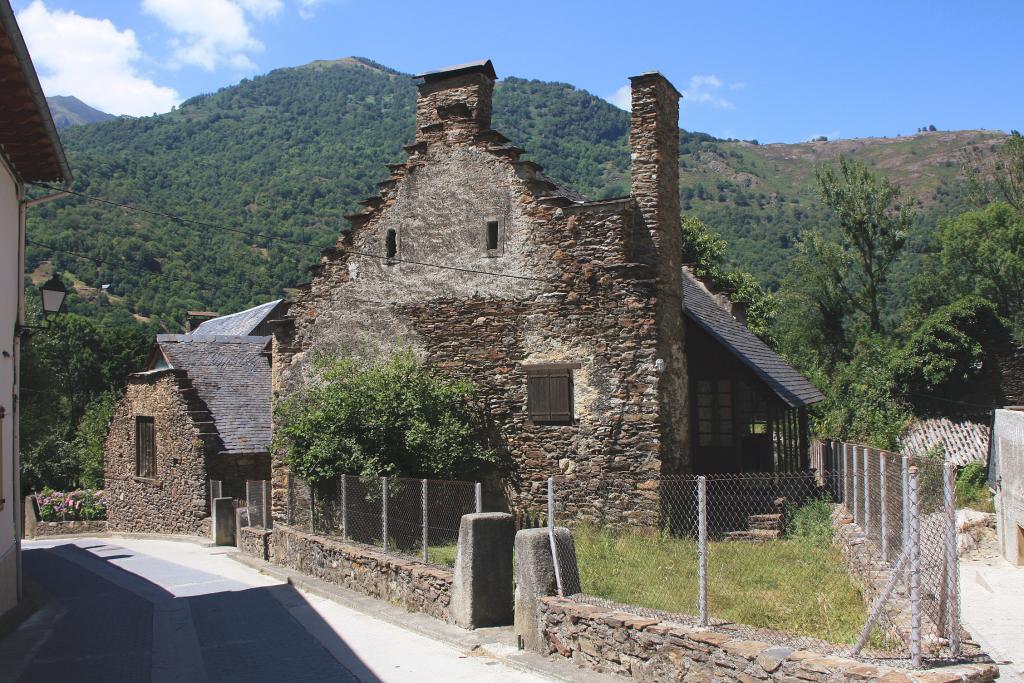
(963, 441)
(236, 324)
(232, 376)
(787, 383)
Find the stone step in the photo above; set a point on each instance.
(765, 522)
(754, 535)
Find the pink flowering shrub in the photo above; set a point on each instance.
(61, 506)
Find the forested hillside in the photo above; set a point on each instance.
(288, 154)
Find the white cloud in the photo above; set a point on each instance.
(209, 33)
(92, 60)
(621, 98)
(262, 9)
(307, 8)
(704, 90)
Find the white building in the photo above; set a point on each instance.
(30, 151)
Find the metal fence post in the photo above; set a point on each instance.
(344, 507)
(423, 502)
(856, 489)
(914, 537)
(551, 535)
(952, 560)
(384, 511)
(866, 454)
(478, 491)
(846, 476)
(906, 500)
(702, 549)
(267, 493)
(883, 525)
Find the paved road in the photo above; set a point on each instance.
(154, 610)
(992, 599)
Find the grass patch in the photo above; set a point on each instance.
(972, 488)
(443, 554)
(797, 584)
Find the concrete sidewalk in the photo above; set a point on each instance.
(992, 599)
(136, 610)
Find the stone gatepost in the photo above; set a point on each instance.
(535, 579)
(482, 586)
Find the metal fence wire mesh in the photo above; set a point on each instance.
(256, 512)
(418, 518)
(819, 559)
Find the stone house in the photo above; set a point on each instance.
(595, 355)
(198, 412)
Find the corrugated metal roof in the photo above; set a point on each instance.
(236, 324)
(232, 376)
(963, 441)
(782, 378)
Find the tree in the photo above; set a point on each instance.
(383, 417)
(998, 179)
(874, 225)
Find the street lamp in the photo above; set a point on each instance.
(53, 293)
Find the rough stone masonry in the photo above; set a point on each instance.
(589, 285)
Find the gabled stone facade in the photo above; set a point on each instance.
(592, 284)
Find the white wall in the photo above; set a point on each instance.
(1006, 478)
(10, 291)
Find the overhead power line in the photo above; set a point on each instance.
(272, 238)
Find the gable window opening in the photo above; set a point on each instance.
(492, 235)
(550, 393)
(145, 447)
(391, 243)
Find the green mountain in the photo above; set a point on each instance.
(70, 111)
(288, 154)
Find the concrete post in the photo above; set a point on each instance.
(535, 579)
(914, 538)
(344, 507)
(551, 534)
(223, 521)
(905, 472)
(30, 517)
(702, 549)
(268, 520)
(478, 493)
(482, 585)
(857, 519)
(952, 560)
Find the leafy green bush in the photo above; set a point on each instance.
(388, 417)
(810, 522)
(972, 488)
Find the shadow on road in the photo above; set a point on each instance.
(99, 622)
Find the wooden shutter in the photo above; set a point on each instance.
(145, 447)
(549, 393)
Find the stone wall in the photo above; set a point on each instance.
(80, 528)
(175, 500)
(573, 283)
(254, 541)
(415, 586)
(653, 650)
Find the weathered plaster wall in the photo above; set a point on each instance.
(1006, 478)
(175, 500)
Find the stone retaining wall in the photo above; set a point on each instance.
(81, 528)
(254, 541)
(653, 650)
(416, 586)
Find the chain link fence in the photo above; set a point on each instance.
(418, 518)
(855, 556)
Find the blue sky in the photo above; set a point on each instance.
(776, 71)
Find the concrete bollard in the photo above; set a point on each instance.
(223, 521)
(535, 579)
(482, 587)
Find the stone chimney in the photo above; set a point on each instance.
(194, 319)
(455, 103)
(654, 146)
